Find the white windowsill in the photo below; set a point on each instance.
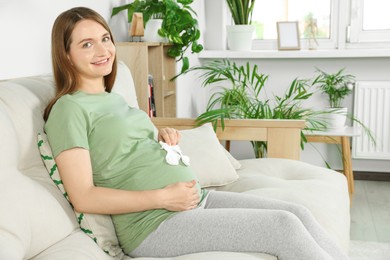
(299, 54)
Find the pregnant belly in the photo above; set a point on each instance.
(147, 170)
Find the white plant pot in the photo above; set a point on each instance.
(240, 37)
(151, 31)
(336, 118)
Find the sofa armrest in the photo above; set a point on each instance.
(282, 136)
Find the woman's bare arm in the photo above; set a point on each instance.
(75, 169)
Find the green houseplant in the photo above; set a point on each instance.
(240, 34)
(240, 95)
(336, 86)
(179, 24)
(241, 10)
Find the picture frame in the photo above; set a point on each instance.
(288, 36)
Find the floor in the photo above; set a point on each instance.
(370, 211)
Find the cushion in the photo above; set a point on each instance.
(69, 248)
(124, 85)
(99, 227)
(30, 215)
(9, 141)
(208, 158)
(235, 163)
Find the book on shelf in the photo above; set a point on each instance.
(151, 103)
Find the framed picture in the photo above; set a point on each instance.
(288, 36)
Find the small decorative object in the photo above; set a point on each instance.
(240, 34)
(288, 36)
(336, 86)
(137, 26)
(311, 31)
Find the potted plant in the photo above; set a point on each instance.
(178, 25)
(241, 95)
(240, 34)
(336, 86)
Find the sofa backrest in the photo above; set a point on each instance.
(33, 213)
(23, 101)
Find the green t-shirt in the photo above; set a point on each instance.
(124, 153)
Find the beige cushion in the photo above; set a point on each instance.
(9, 143)
(98, 227)
(76, 246)
(208, 159)
(124, 85)
(33, 219)
(235, 163)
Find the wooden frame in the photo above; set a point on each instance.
(283, 136)
(288, 36)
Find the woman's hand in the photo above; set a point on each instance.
(180, 196)
(169, 136)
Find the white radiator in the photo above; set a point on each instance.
(372, 108)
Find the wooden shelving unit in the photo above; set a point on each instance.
(145, 58)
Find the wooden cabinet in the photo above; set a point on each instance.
(144, 58)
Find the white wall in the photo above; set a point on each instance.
(25, 27)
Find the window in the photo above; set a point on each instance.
(335, 24)
(316, 20)
(370, 21)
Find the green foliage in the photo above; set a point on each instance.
(241, 10)
(337, 86)
(179, 25)
(240, 96)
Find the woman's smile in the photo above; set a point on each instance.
(101, 62)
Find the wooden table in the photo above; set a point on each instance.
(342, 137)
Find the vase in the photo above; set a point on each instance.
(336, 118)
(151, 31)
(240, 37)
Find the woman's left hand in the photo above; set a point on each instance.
(169, 136)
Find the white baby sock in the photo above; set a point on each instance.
(174, 154)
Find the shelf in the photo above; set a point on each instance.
(299, 54)
(144, 58)
(169, 93)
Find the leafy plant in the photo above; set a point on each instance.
(241, 10)
(179, 25)
(337, 86)
(151, 9)
(244, 98)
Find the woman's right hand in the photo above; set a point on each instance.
(180, 196)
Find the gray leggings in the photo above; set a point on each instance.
(236, 222)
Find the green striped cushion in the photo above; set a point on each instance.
(98, 227)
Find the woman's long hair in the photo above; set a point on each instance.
(65, 75)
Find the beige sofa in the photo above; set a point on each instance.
(37, 222)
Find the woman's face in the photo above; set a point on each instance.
(92, 51)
